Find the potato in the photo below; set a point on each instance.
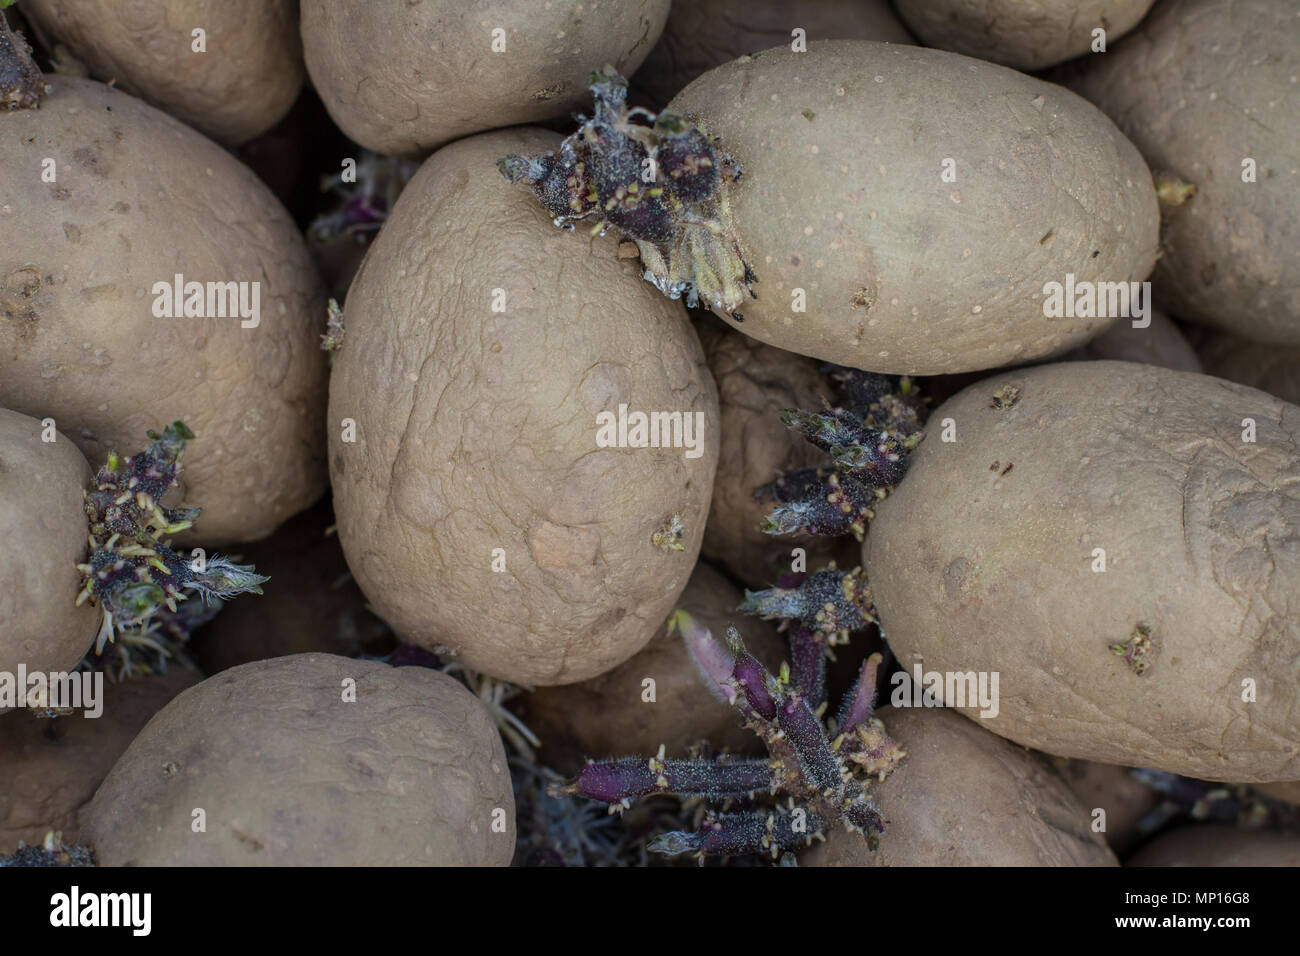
(139, 199)
(1103, 786)
(1270, 368)
(1288, 791)
(1212, 844)
(52, 767)
(755, 382)
(241, 83)
(411, 772)
(311, 602)
(708, 33)
(1206, 90)
(1184, 654)
(406, 78)
(607, 716)
(963, 797)
(897, 270)
(1160, 343)
(43, 525)
(476, 509)
(1027, 36)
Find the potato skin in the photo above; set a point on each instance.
(901, 271)
(245, 82)
(1160, 343)
(404, 79)
(964, 797)
(477, 430)
(139, 198)
(707, 33)
(755, 382)
(1270, 368)
(43, 525)
(606, 717)
(1288, 790)
(53, 766)
(1213, 844)
(974, 568)
(408, 774)
(1113, 789)
(1200, 86)
(1027, 36)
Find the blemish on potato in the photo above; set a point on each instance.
(1005, 397)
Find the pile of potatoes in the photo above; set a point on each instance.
(467, 576)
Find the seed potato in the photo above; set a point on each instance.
(43, 525)
(139, 198)
(964, 797)
(1201, 87)
(1184, 653)
(1212, 844)
(289, 773)
(1103, 786)
(406, 78)
(898, 270)
(1270, 368)
(240, 85)
(476, 430)
(1159, 343)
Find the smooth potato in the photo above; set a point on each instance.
(1270, 368)
(897, 270)
(139, 198)
(290, 772)
(1103, 786)
(964, 797)
(43, 522)
(988, 558)
(476, 430)
(1159, 343)
(405, 78)
(1204, 88)
(1218, 845)
(1027, 36)
(242, 83)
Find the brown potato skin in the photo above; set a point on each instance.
(1160, 343)
(606, 716)
(902, 272)
(140, 197)
(311, 602)
(1113, 789)
(52, 767)
(755, 382)
(1213, 844)
(707, 33)
(1270, 368)
(43, 522)
(965, 797)
(244, 83)
(404, 79)
(1198, 87)
(1288, 790)
(1026, 36)
(477, 430)
(975, 570)
(291, 775)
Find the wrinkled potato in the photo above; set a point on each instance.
(1160, 343)
(53, 766)
(289, 772)
(707, 33)
(607, 716)
(1027, 36)
(1270, 368)
(964, 797)
(43, 525)
(406, 78)
(240, 85)
(1202, 87)
(898, 270)
(1103, 786)
(989, 555)
(476, 430)
(140, 198)
(311, 602)
(1212, 844)
(755, 382)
